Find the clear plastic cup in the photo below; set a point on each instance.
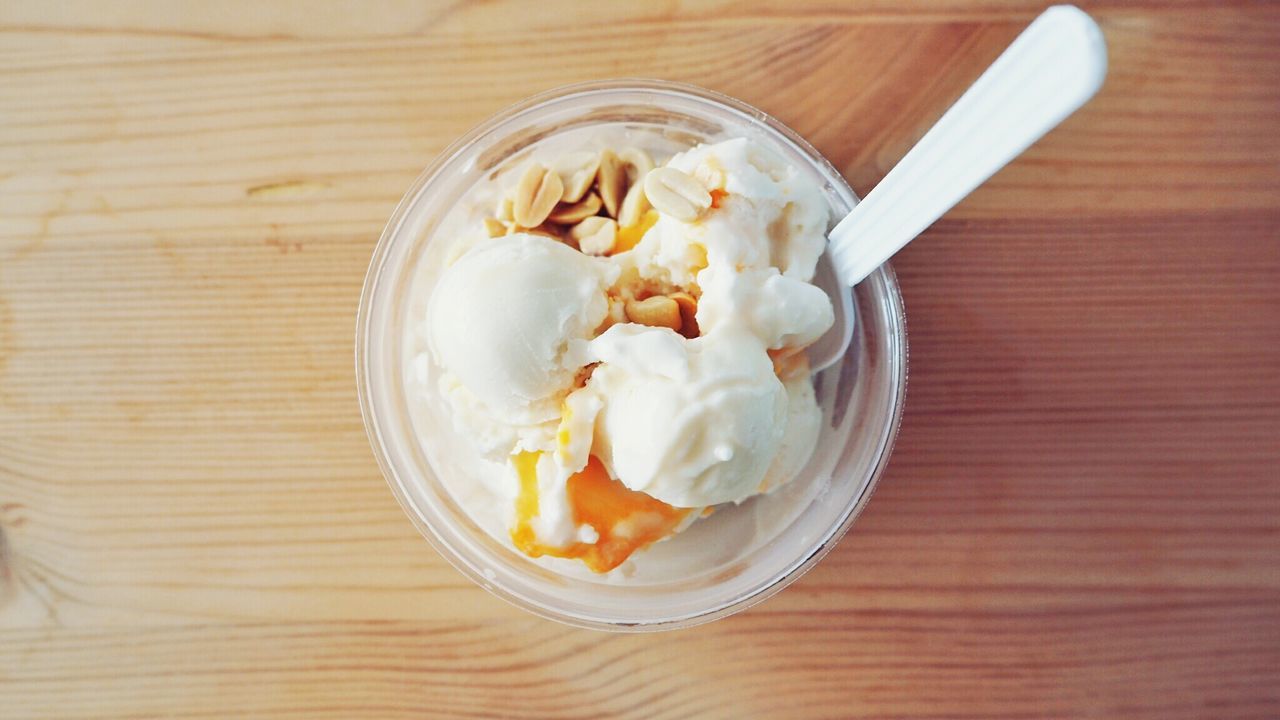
(761, 546)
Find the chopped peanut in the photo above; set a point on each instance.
(536, 196)
(657, 311)
(688, 314)
(595, 235)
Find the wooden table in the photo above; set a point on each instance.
(1082, 518)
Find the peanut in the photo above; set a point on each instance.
(504, 209)
(674, 193)
(576, 212)
(595, 235)
(611, 180)
(688, 314)
(536, 196)
(495, 227)
(637, 162)
(577, 171)
(657, 311)
(634, 205)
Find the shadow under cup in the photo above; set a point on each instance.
(725, 563)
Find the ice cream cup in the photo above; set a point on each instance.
(759, 547)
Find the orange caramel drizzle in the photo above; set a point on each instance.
(788, 362)
(629, 236)
(624, 519)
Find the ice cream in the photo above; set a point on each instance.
(509, 322)
(637, 361)
(689, 422)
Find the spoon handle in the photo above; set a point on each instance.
(1049, 71)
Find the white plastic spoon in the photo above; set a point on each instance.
(1049, 71)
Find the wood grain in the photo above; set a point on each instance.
(1081, 519)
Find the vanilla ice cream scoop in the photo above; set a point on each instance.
(510, 320)
(691, 423)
